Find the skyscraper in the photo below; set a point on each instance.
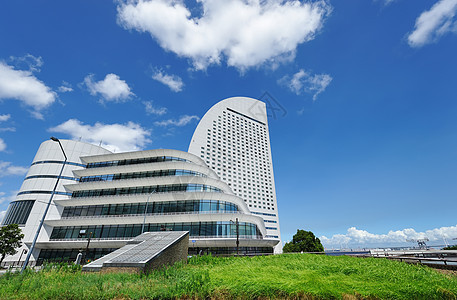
(233, 139)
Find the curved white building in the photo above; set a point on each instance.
(32, 198)
(115, 197)
(233, 139)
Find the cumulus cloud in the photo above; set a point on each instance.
(112, 88)
(304, 81)
(359, 237)
(6, 169)
(434, 23)
(25, 87)
(151, 110)
(114, 137)
(245, 33)
(174, 82)
(182, 121)
(65, 87)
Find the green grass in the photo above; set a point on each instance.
(301, 276)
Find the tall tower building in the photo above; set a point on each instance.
(233, 139)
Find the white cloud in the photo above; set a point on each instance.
(37, 115)
(114, 137)
(434, 23)
(245, 33)
(7, 169)
(359, 237)
(28, 61)
(112, 88)
(10, 129)
(303, 81)
(6, 199)
(65, 87)
(4, 118)
(174, 82)
(182, 121)
(25, 87)
(151, 110)
(2, 145)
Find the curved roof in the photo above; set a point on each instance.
(248, 107)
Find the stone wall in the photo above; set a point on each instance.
(177, 252)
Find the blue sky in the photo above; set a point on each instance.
(365, 153)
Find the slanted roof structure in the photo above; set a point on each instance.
(145, 252)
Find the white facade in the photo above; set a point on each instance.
(38, 185)
(233, 139)
(111, 196)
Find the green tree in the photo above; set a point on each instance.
(450, 248)
(10, 239)
(304, 241)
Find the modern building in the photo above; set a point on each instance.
(113, 197)
(233, 139)
(28, 207)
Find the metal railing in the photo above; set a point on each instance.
(244, 237)
(150, 214)
(92, 239)
(140, 194)
(432, 259)
(247, 237)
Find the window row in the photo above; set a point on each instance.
(264, 214)
(58, 162)
(150, 208)
(51, 176)
(135, 161)
(158, 173)
(18, 212)
(61, 255)
(147, 190)
(216, 229)
(43, 192)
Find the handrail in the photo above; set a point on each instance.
(139, 194)
(150, 214)
(92, 239)
(418, 259)
(245, 237)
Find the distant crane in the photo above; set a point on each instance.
(420, 242)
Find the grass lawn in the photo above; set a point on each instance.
(303, 276)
